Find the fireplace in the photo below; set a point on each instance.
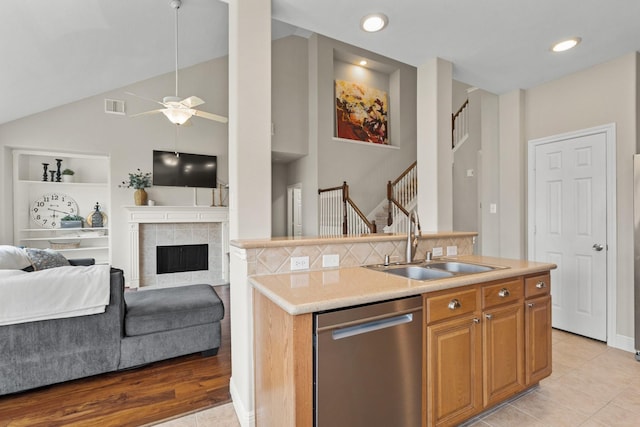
(177, 226)
(181, 258)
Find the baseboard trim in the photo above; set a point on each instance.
(623, 342)
(245, 417)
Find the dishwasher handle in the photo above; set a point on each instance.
(374, 325)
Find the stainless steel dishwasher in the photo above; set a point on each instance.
(368, 365)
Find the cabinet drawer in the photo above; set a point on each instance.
(537, 285)
(502, 292)
(451, 304)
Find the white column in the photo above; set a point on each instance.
(249, 176)
(134, 256)
(513, 160)
(434, 154)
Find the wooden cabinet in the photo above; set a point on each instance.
(453, 358)
(537, 328)
(502, 340)
(503, 353)
(90, 186)
(482, 344)
(474, 349)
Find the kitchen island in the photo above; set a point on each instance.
(486, 336)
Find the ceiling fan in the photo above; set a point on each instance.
(177, 110)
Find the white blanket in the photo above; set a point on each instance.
(54, 293)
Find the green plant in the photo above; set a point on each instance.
(72, 218)
(68, 172)
(137, 180)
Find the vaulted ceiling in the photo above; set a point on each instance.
(56, 52)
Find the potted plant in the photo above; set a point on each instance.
(71, 221)
(139, 180)
(67, 175)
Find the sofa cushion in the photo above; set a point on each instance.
(166, 309)
(13, 258)
(46, 258)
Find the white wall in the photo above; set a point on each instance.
(84, 127)
(365, 167)
(607, 93)
(289, 98)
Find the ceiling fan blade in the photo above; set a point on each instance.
(192, 101)
(145, 98)
(148, 112)
(210, 116)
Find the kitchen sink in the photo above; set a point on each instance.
(431, 270)
(419, 273)
(461, 267)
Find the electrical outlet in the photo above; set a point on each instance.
(437, 252)
(299, 263)
(332, 260)
(452, 250)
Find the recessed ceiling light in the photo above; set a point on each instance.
(374, 22)
(566, 44)
(363, 62)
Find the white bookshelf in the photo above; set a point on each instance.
(91, 185)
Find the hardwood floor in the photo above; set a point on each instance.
(129, 398)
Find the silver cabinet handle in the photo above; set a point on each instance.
(489, 316)
(597, 247)
(476, 320)
(504, 292)
(541, 285)
(530, 305)
(454, 303)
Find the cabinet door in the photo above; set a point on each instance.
(503, 346)
(454, 365)
(538, 339)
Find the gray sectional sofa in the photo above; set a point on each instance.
(135, 329)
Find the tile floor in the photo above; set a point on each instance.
(592, 385)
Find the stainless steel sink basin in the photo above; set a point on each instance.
(419, 273)
(431, 270)
(461, 267)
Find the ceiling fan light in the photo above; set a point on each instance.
(374, 22)
(177, 116)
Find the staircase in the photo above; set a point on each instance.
(339, 215)
(402, 198)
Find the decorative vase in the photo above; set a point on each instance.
(140, 196)
(67, 178)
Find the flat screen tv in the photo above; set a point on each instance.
(184, 169)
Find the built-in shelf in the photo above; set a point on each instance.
(90, 185)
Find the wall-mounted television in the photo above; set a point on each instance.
(184, 169)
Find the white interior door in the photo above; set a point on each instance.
(570, 230)
(294, 210)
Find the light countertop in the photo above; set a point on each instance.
(312, 291)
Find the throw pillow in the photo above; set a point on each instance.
(46, 258)
(13, 258)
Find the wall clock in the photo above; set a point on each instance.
(48, 209)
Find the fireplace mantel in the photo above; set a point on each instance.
(137, 215)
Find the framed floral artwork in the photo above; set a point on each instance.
(361, 113)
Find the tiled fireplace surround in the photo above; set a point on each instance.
(151, 226)
(153, 235)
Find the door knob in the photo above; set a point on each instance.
(597, 247)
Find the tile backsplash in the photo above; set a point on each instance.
(272, 260)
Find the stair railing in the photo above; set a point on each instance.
(401, 193)
(339, 215)
(459, 124)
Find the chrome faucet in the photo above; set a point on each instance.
(413, 232)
